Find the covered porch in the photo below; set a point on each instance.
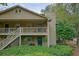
(23, 27)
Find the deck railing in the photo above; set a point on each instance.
(33, 29)
(7, 30)
(5, 42)
(15, 33)
(24, 30)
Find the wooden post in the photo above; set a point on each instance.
(19, 40)
(20, 37)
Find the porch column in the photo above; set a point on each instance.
(20, 36)
(20, 40)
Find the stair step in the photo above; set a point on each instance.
(9, 39)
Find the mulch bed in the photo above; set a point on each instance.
(76, 52)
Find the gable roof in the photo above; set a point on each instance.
(18, 6)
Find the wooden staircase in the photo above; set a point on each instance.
(9, 39)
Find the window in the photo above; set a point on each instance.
(18, 10)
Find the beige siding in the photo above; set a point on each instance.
(23, 23)
(52, 32)
(13, 14)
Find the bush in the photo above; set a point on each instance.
(61, 50)
(65, 30)
(57, 50)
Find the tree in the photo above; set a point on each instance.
(74, 8)
(4, 4)
(64, 28)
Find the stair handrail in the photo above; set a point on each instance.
(8, 39)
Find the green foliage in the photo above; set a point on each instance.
(4, 4)
(65, 27)
(57, 50)
(65, 30)
(61, 50)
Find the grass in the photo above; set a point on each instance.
(57, 50)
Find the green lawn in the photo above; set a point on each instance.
(58, 50)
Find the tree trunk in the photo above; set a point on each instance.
(77, 29)
(78, 40)
(78, 35)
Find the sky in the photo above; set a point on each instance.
(36, 7)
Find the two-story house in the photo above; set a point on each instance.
(20, 26)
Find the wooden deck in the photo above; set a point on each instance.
(24, 31)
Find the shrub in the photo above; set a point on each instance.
(57, 50)
(61, 50)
